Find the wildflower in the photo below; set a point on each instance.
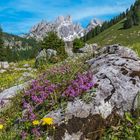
(81, 84)
(23, 135)
(36, 132)
(1, 126)
(48, 121)
(35, 122)
(1, 103)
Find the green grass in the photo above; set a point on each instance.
(117, 35)
(12, 77)
(9, 78)
(30, 62)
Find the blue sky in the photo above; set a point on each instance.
(18, 16)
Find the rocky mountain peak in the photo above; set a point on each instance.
(62, 19)
(65, 28)
(93, 23)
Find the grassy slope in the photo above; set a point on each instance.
(115, 34)
(25, 42)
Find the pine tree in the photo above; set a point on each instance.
(136, 19)
(77, 44)
(52, 41)
(128, 23)
(2, 49)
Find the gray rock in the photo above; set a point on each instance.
(119, 50)
(26, 65)
(51, 53)
(7, 94)
(88, 48)
(117, 76)
(44, 55)
(20, 69)
(26, 76)
(57, 116)
(4, 65)
(30, 69)
(117, 71)
(75, 136)
(41, 58)
(2, 71)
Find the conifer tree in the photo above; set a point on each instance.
(128, 23)
(2, 49)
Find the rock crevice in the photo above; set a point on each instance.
(117, 73)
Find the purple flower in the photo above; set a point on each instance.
(23, 135)
(32, 116)
(36, 132)
(82, 83)
(2, 103)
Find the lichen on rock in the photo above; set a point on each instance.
(116, 72)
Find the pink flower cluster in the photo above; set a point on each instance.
(39, 91)
(81, 84)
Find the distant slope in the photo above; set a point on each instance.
(17, 41)
(117, 35)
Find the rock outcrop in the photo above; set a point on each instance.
(6, 95)
(43, 55)
(41, 58)
(88, 48)
(4, 65)
(64, 27)
(51, 52)
(117, 75)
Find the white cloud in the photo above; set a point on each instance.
(50, 9)
(96, 11)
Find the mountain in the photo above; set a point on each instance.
(65, 28)
(93, 23)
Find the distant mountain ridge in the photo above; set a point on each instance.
(15, 41)
(63, 26)
(93, 23)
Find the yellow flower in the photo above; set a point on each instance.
(35, 122)
(48, 121)
(1, 126)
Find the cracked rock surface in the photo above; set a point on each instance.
(117, 74)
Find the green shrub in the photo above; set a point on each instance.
(52, 41)
(129, 129)
(77, 44)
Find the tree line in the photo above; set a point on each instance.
(131, 16)
(15, 53)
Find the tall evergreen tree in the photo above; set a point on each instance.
(128, 23)
(52, 41)
(2, 49)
